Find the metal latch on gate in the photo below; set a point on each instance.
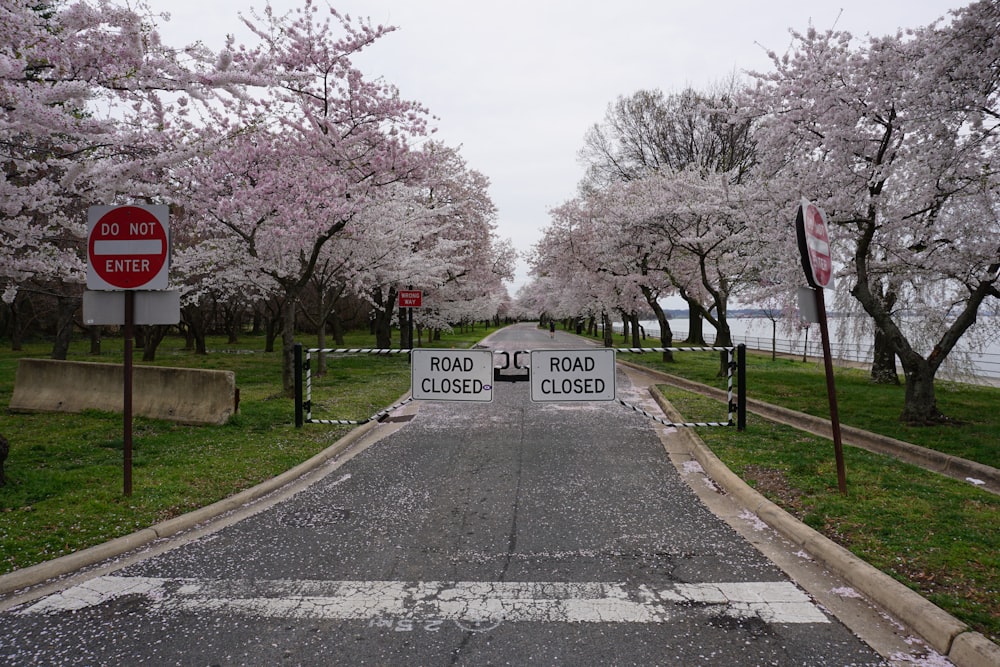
(510, 377)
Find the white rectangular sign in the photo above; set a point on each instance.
(573, 375)
(452, 375)
(151, 307)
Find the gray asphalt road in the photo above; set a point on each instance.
(507, 533)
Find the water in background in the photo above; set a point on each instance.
(980, 366)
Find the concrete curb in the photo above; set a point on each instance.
(942, 631)
(36, 574)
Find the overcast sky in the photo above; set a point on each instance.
(517, 83)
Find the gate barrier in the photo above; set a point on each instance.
(736, 365)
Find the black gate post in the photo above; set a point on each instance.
(299, 419)
(741, 387)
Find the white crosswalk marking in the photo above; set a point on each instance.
(470, 601)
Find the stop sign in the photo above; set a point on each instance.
(814, 245)
(127, 247)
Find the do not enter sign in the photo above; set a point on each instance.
(814, 245)
(127, 247)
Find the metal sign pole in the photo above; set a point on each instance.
(299, 413)
(127, 395)
(831, 392)
(817, 261)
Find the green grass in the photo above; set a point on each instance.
(934, 534)
(876, 408)
(64, 488)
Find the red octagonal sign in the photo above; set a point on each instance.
(814, 245)
(127, 247)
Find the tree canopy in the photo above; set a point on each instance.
(287, 170)
(895, 137)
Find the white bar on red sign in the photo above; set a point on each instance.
(135, 247)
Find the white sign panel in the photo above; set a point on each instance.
(808, 309)
(159, 307)
(573, 375)
(452, 375)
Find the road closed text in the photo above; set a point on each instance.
(452, 375)
(456, 385)
(553, 386)
(573, 375)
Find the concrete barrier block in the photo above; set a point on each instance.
(183, 395)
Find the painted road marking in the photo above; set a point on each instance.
(472, 602)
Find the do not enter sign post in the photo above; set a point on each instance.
(817, 260)
(128, 249)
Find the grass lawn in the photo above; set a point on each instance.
(876, 408)
(64, 488)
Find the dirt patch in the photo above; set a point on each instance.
(773, 485)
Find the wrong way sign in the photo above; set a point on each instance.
(128, 247)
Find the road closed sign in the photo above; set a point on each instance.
(452, 375)
(573, 375)
(128, 247)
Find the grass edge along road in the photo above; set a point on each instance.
(64, 488)
(65, 471)
(936, 535)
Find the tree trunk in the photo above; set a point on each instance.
(382, 319)
(154, 336)
(883, 361)
(774, 340)
(634, 321)
(195, 320)
(271, 328)
(696, 324)
(188, 335)
(95, 340)
(321, 344)
(288, 345)
(337, 328)
(609, 333)
(723, 338)
(66, 307)
(666, 335)
(233, 319)
(21, 314)
(920, 406)
(383, 331)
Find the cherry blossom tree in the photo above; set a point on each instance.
(571, 263)
(622, 249)
(478, 261)
(87, 92)
(896, 138)
(651, 133)
(436, 235)
(305, 156)
(703, 228)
